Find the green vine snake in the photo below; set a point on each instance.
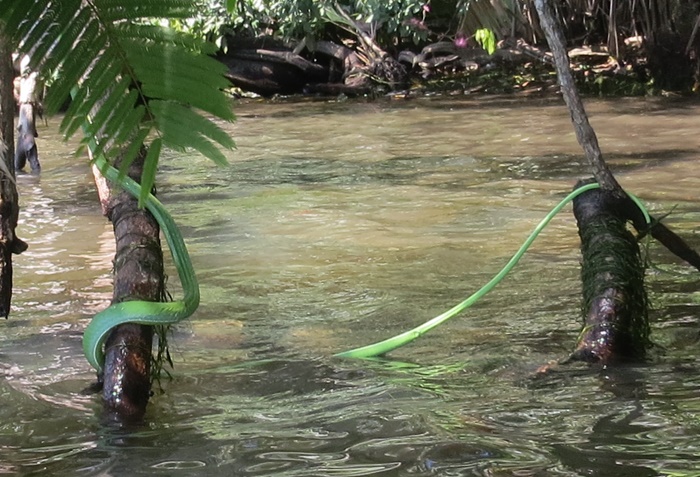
(390, 344)
(159, 313)
(143, 312)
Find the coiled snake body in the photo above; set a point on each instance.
(143, 312)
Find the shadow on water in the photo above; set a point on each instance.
(619, 442)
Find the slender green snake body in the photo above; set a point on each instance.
(159, 313)
(390, 344)
(143, 312)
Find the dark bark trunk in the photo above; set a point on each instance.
(9, 207)
(7, 103)
(616, 325)
(138, 275)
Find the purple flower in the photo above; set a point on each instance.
(460, 40)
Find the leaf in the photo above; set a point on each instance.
(150, 166)
(132, 151)
(95, 87)
(486, 39)
(175, 123)
(73, 68)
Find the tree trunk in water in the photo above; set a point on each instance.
(29, 93)
(138, 275)
(616, 325)
(606, 336)
(611, 317)
(9, 207)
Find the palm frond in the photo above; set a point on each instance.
(180, 134)
(132, 78)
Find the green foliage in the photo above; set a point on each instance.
(398, 19)
(401, 19)
(486, 39)
(212, 22)
(131, 77)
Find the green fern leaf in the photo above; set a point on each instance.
(62, 23)
(150, 167)
(174, 122)
(119, 93)
(116, 118)
(73, 68)
(188, 118)
(171, 73)
(129, 154)
(15, 24)
(101, 126)
(126, 130)
(96, 86)
(13, 12)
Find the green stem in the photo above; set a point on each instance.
(383, 347)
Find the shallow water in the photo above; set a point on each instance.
(341, 223)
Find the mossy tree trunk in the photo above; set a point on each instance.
(608, 322)
(615, 312)
(615, 326)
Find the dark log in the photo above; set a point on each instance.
(668, 239)
(138, 275)
(616, 325)
(610, 331)
(282, 57)
(345, 55)
(264, 78)
(351, 65)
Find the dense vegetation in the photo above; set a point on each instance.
(652, 44)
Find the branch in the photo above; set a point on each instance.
(589, 142)
(584, 132)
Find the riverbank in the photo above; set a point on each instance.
(443, 69)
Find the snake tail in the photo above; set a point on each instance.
(382, 347)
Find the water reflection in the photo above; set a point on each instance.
(337, 225)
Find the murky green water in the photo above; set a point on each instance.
(338, 224)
